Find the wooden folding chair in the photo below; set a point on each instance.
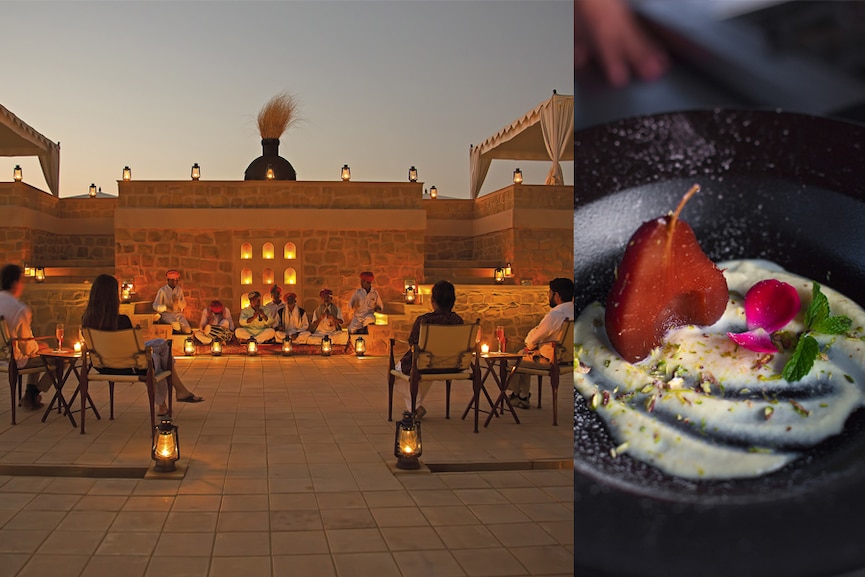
(443, 353)
(9, 366)
(562, 352)
(121, 352)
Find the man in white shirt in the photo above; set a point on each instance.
(539, 349)
(254, 321)
(364, 303)
(19, 319)
(327, 321)
(274, 311)
(216, 323)
(294, 321)
(170, 302)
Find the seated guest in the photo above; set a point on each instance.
(215, 324)
(254, 322)
(327, 320)
(170, 302)
(364, 303)
(443, 299)
(19, 319)
(274, 309)
(294, 321)
(103, 314)
(538, 352)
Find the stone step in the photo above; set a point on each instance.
(75, 274)
(463, 275)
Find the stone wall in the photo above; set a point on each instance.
(54, 303)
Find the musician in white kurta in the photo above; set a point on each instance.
(364, 303)
(216, 323)
(295, 321)
(327, 320)
(170, 302)
(254, 321)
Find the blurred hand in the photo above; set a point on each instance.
(607, 32)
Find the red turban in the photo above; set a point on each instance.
(368, 276)
(290, 297)
(325, 291)
(175, 274)
(216, 306)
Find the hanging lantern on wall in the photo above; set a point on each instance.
(216, 348)
(17, 173)
(359, 346)
(189, 347)
(196, 171)
(407, 442)
(286, 346)
(412, 174)
(166, 447)
(345, 174)
(127, 174)
(326, 346)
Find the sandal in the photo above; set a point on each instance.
(190, 399)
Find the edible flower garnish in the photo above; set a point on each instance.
(769, 306)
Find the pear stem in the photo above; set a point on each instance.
(691, 192)
(671, 227)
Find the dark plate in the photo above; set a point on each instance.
(780, 186)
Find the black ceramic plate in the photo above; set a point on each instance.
(784, 187)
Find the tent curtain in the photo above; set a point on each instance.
(479, 168)
(17, 138)
(557, 125)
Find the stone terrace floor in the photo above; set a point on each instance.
(286, 469)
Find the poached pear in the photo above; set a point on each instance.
(664, 280)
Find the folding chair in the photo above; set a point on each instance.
(562, 352)
(121, 352)
(9, 366)
(443, 353)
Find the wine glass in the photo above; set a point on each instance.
(58, 332)
(500, 336)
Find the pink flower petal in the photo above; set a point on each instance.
(771, 304)
(757, 340)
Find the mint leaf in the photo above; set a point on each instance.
(802, 360)
(818, 310)
(837, 325)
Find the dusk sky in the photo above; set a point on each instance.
(381, 85)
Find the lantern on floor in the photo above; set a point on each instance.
(286, 346)
(433, 192)
(216, 348)
(412, 174)
(407, 443)
(196, 171)
(17, 173)
(92, 190)
(359, 346)
(166, 447)
(188, 347)
(326, 346)
(518, 176)
(127, 174)
(39, 273)
(499, 275)
(252, 348)
(345, 173)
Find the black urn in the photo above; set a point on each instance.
(270, 165)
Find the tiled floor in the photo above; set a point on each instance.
(287, 470)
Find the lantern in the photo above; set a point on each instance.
(127, 174)
(499, 275)
(410, 294)
(433, 192)
(359, 346)
(196, 171)
(326, 346)
(216, 348)
(509, 271)
(76, 346)
(412, 174)
(28, 270)
(485, 348)
(518, 176)
(269, 174)
(166, 447)
(346, 173)
(126, 291)
(188, 347)
(17, 173)
(407, 442)
(92, 190)
(252, 348)
(39, 273)
(286, 346)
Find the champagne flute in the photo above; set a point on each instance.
(500, 336)
(58, 332)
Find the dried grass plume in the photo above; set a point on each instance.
(277, 115)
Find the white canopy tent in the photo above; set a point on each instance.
(17, 138)
(544, 133)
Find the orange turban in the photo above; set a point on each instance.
(175, 274)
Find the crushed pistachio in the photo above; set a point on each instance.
(799, 408)
(767, 412)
